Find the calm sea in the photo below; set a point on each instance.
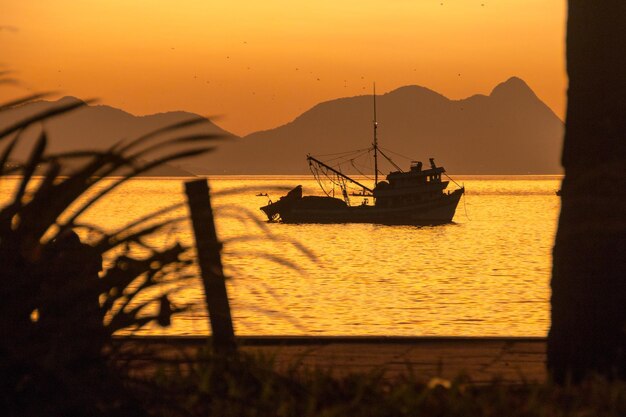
(486, 274)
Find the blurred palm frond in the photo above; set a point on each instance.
(58, 311)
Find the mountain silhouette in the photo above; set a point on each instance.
(510, 131)
(97, 127)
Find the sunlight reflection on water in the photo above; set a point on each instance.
(486, 274)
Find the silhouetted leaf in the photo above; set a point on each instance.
(30, 167)
(43, 115)
(151, 135)
(7, 153)
(22, 100)
(175, 142)
(119, 238)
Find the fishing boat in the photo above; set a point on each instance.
(417, 196)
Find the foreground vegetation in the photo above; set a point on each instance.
(247, 386)
(58, 308)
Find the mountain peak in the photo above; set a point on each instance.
(414, 89)
(513, 87)
(69, 100)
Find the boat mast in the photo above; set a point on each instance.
(375, 142)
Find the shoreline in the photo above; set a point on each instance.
(480, 359)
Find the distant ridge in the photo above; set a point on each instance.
(509, 131)
(97, 127)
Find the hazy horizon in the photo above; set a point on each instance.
(259, 65)
(217, 120)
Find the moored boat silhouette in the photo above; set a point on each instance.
(414, 197)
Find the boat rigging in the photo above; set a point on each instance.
(415, 197)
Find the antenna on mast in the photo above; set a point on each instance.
(375, 142)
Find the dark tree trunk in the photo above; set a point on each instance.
(588, 333)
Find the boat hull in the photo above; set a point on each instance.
(436, 211)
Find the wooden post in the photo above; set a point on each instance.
(210, 262)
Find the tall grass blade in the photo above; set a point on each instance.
(23, 100)
(4, 158)
(136, 172)
(170, 128)
(43, 115)
(30, 167)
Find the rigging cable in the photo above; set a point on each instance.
(346, 153)
(390, 161)
(463, 196)
(315, 173)
(455, 183)
(358, 170)
(464, 206)
(398, 154)
(345, 157)
(335, 182)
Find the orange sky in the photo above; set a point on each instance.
(259, 64)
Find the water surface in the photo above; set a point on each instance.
(486, 274)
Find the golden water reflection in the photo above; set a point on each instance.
(485, 274)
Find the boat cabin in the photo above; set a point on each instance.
(415, 186)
